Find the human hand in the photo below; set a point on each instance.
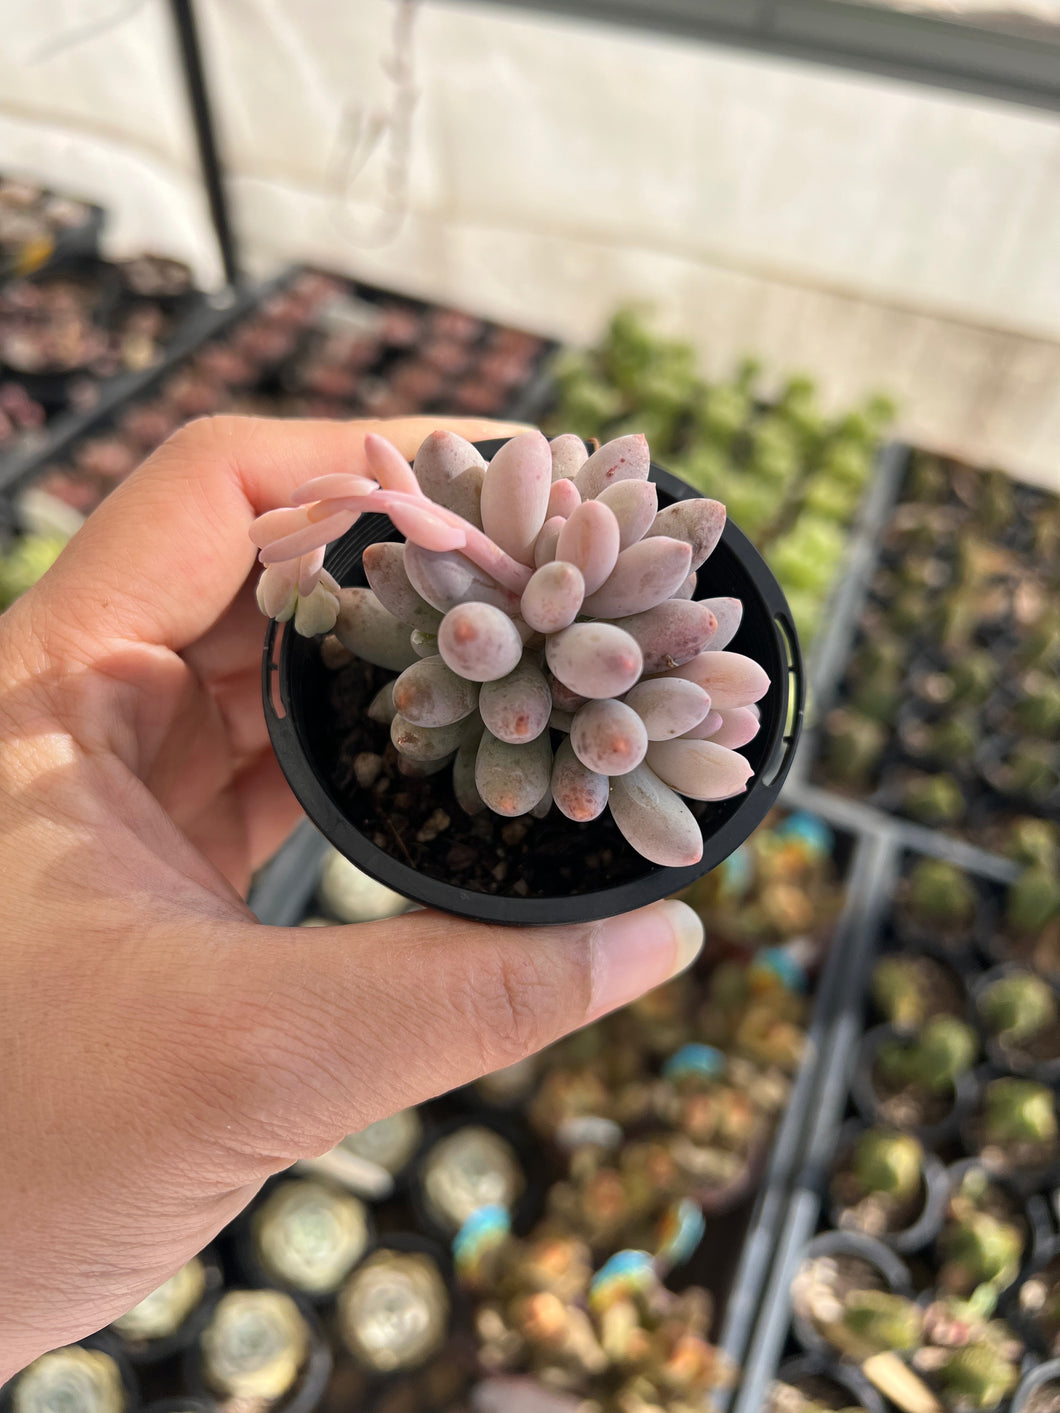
(163, 1053)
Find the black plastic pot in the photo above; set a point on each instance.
(1039, 1378)
(815, 1375)
(892, 1270)
(868, 1101)
(1022, 1177)
(294, 688)
(1023, 1320)
(934, 1188)
(1031, 1211)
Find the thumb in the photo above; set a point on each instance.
(349, 1024)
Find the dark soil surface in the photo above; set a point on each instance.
(419, 822)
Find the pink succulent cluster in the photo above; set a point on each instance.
(543, 592)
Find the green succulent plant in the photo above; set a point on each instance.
(855, 744)
(934, 799)
(889, 1163)
(939, 893)
(977, 1376)
(980, 1249)
(880, 1322)
(1018, 1006)
(932, 1062)
(900, 990)
(1019, 1111)
(1033, 900)
(21, 565)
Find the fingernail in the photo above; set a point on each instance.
(633, 953)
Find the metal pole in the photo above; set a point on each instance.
(199, 99)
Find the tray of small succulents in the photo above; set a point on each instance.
(303, 344)
(918, 1260)
(38, 226)
(947, 710)
(82, 334)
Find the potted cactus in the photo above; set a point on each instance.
(908, 989)
(973, 1362)
(984, 1236)
(532, 675)
(936, 905)
(922, 1084)
(850, 1295)
(1030, 926)
(809, 1384)
(1021, 1020)
(886, 1186)
(1015, 1131)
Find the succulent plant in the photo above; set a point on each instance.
(877, 1321)
(1034, 899)
(888, 1163)
(934, 799)
(944, 1049)
(24, 562)
(855, 746)
(1037, 711)
(978, 1249)
(940, 894)
(1018, 1006)
(906, 990)
(545, 591)
(1019, 1111)
(978, 1375)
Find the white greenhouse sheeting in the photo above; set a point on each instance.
(874, 233)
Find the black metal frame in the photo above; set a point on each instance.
(866, 37)
(183, 12)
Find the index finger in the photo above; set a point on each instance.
(167, 552)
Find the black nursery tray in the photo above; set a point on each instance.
(834, 1115)
(319, 345)
(934, 523)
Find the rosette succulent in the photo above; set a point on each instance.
(545, 592)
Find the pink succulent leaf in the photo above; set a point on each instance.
(698, 523)
(635, 505)
(275, 524)
(731, 679)
(654, 820)
(312, 537)
(329, 581)
(563, 499)
(338, 486)
(277, 591)
(710, 724)
(391, 469)
(515, 494)
(589, 541)
(425, 528)
(702, 770)
(644, 575)
(309, 567)
(623, 459)
(569, 455)
(738, 726)
(316, 613)
(545, 548)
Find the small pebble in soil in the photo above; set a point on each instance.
(366, 768)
